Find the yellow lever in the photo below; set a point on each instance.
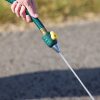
(54, 35)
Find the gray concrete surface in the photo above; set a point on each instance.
(29, 70)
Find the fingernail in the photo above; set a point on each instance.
(35, 15)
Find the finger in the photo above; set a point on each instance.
(31, 8)
(22, 12)
(13, 6)
(17, 9)
(28, 18)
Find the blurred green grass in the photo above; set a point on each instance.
(56, 10)
(6, 16)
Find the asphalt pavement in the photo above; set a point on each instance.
(29, 70)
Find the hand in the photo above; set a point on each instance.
(19, 8)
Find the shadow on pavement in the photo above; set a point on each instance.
(57, 83)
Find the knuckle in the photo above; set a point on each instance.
(17, 8)
(22, 11)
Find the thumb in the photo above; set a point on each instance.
(31, 7)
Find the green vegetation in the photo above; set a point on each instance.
(6, 16)
(53, 9)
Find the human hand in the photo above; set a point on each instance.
(19, 8)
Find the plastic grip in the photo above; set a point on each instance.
(48, 40)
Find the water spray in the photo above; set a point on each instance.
(50, 38)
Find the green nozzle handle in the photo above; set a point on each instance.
(35, 20)
(47, 37)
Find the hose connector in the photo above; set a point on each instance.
(50, 38)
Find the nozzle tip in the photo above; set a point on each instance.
(56, 48)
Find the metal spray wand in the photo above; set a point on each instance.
(50, 38)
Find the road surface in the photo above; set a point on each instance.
(29, 70)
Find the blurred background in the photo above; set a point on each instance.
(29, 70)
(55, 10)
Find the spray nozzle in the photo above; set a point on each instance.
(50, 38)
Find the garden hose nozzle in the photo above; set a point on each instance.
(50, 38)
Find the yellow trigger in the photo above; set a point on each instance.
(54, 36)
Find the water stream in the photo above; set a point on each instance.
(66, 62)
